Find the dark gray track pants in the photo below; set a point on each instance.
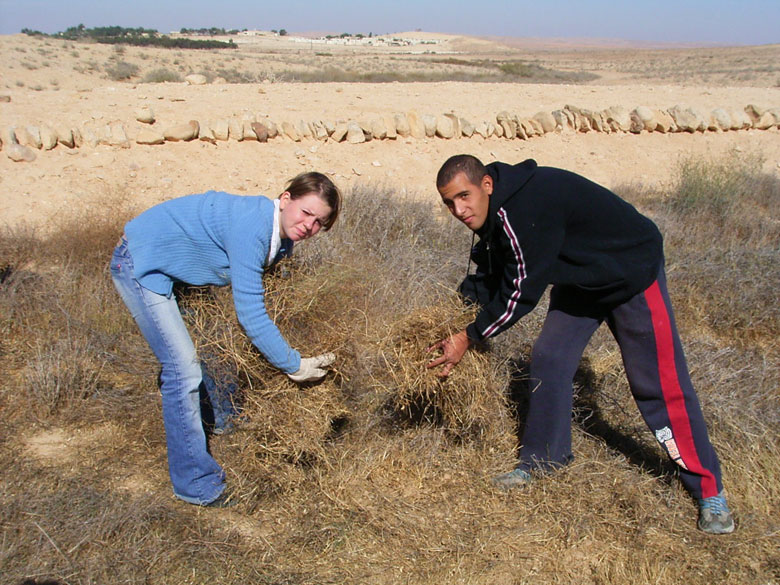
(658, 375)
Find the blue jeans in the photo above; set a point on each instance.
(197, 478)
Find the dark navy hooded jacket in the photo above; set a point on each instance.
(551, 226)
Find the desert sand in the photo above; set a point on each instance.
(53, 81)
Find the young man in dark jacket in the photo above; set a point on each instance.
(539, 226)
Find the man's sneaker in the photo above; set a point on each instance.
(715, 516)
(516, 478)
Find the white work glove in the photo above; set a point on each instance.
(313, 368)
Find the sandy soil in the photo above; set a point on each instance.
(51, 81)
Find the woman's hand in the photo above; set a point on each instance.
(313, 368)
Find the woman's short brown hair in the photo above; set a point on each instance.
(317, 183)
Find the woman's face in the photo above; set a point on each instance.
(303, 217)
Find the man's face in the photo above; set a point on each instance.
(466, 201)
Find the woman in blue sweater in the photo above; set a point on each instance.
(218, 239)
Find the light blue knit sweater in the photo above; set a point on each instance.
(218, 239)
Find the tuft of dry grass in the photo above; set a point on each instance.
(381, 472)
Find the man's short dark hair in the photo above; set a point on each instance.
(461, 163)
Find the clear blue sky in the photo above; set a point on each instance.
(743, 22)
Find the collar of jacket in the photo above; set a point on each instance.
(508, 180)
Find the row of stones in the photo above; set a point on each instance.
(20, 141)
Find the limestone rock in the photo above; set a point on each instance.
(182, 132)
(498, 130)
(221, 129)
(355, 134)
(260, 131)
(65, 135)
(444, 127)
(664, 122)
(702, 117)
(536, 126)
(235, 129)
(365, 126)
(429, 122)
(8, 135)
(507, 123)
(618, 118)
(29, 136)
(573, 112)
(754, 112)
(525, 129)
(685, 120)
(340, 132)
(304, 129)
(78, 138)
(482, 129)
(455, 123)
(149, 136)
(416, 125)
(563, 123)
(765, 122)
(466, 127)
(19, 153)
(206, 132)
(329, 127)
(740, 120)
(522, 128)
(290, 131)
(402, 125)
(599, 122)
(646, 116)
(379, 128)
(636, 123)
(246, 129)
(145, 115)
(546, 121)
(720, 120)
(48, 137)
(118, 137)
(103, 133)
(392, 133)
(196, 79)
(273, 129)
(319, 129)
(582, 121)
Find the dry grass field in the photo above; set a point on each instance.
(380, 474)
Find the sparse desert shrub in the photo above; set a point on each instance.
(721, 231)
(161, 75)
(235, 76)
(380, 471)
(121, 70)
(62, 373)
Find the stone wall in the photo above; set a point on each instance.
(21, 142)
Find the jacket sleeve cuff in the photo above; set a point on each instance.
(472, 333)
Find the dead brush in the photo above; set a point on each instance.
(374, 375)
(470, 403)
